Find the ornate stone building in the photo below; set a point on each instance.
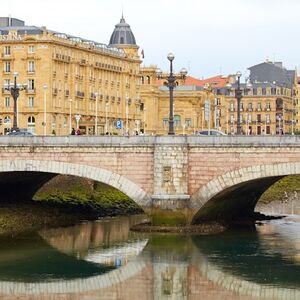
(71, 81)
(188, 105)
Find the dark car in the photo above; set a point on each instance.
(20, 133)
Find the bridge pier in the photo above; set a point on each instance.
(170, 197)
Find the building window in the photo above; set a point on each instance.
(259, 118)
(255, 91)
(7, 50)
(249, 118)
(242, 106)
(268, 107)
(231, 119)
(31, 66)
(30, 101)
(231, 106)
(258, 106)
(7, 102)
(177, 121)
(165, 122)
(187, 123)
(250, 106)
(31, 124)
(7, 82)
(7, 66)
(263, 91)
(31, 49)
(218, 101)
(31, 84)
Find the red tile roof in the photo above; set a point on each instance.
(216, 81)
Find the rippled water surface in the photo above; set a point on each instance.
(104, 260)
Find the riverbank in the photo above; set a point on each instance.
(64, 201)
(201, 229)
(283, 197)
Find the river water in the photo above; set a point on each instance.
(104, 260)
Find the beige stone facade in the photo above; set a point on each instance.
(188, 106)
(65, 77)
(263, 111)
(266, 109)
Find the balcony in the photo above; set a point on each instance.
(6, 56)
(30, 91)
(4, 91)
(62, 58)
(79, 94)
(79, 77)
(83, 62)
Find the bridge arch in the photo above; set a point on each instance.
(233, 195)
(128, 187)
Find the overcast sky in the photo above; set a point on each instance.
(207, 37)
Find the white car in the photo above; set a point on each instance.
(213, 132)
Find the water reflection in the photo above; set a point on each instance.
(261, 263)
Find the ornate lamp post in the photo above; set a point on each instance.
(44, 123)
(15, 92)
(238, 95)
(171, 79)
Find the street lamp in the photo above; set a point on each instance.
(15, 92)
(207, 105)
(45, 105)
(96, 114)
(171, 79)
(145, 125)
(127, 115)
(238, 96)
(106, 125)
(77, 118)
(70, 115)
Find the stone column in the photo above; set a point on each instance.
(170, 182)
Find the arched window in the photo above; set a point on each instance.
(177, 121)
(142, 80)
(31, 124)
(148, 80)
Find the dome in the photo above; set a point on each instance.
(122, 34)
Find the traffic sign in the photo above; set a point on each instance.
(118, 124)
(207, 110)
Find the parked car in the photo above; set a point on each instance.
(20, 133)
(213, 132)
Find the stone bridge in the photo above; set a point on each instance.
(186, 178)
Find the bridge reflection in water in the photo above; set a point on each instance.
(104, 260)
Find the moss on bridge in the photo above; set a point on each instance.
(282, 190)
(87, 195)
(63, 201)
